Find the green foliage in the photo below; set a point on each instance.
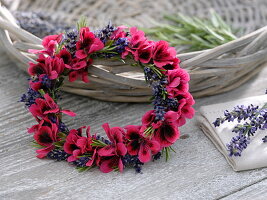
(98, 143)
(167, 151)
(192, 32)
(36, 145)
(82, 23)
(83, 169)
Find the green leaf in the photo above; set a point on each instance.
(62, 135)
(59, 144)
(98, 143)
(83, 169)
(36, 145)
(82, 22)
(192, 32)
(42, 92)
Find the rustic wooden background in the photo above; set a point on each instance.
(196, 171)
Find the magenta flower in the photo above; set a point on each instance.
(148, 118)
(163, 54)
(80, 69)
(43, 107)
(51, 66)
(46, 136)
(167, 131)
(65, 55)
(145, 52)
(76, 144)
(137, 38)
(119, 33)
(95, 159)
(111, 154)
(87, 43)
(174, 65)
(49, 43)
(140, 145)
(177, 82)
(185, 109)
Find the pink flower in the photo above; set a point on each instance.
(174, 65)
(43, 107)
(43, 152)
(74, 75)
(163, 54)
(39, 67)
(36, 127)
(137, 37)
(140, 145)
(95, 159)
(87, 43)
(45, 135)
(49, 43)
(76, 145)
(119, 33)
(108, 164)
(80, 69)
(43, 122)
(167, 133)
(144, 52)
(111, 154)
(148, 118)
(136, 40)
(53, 67)
(177, 82)
(65, 56)
(184, 109)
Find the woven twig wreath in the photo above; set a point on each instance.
(71, 54)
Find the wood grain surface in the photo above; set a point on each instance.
(196, 171)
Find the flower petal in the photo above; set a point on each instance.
(91, 161)
(121, 149)
(43, 152)
(107, 165)
(154, 146)
(120, 165)
(144, 154)
(69, 112)
(80, 54)
(107, 151)
(73, 76)
(133, 147)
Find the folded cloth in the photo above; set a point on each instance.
(255, 155)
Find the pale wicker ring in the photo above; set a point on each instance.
(212, 71)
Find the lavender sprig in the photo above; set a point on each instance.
(70, 39)
(160, 100)
(240, 113)
(58, 154)
(105, 33)
(253, 117)
(113, 46)
(237, 145)
(30, 97)
(132, 161)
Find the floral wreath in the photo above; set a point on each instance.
(71, 54)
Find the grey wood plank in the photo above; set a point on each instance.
(256, 191)
(196, 171)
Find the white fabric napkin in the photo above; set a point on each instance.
(255, 155)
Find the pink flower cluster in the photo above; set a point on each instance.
(142, 142)
(55, 63)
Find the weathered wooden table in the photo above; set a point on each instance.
(196, 171)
